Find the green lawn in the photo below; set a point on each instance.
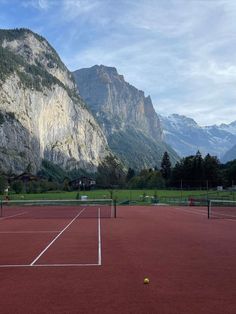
(142, 196)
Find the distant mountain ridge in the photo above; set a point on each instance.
(231, 127)
(126, 116)
(229, 155)
(187, 137)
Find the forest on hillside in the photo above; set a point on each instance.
(191, 172)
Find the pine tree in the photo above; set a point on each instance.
(130, 174)
(211, 170)
(198, 170)
(166, 166)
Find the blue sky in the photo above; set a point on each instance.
(180, 52)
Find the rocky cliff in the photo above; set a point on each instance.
(109, 96)
(42, 115)
(126, 116)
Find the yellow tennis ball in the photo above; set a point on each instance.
(146, 281)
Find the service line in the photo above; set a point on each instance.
(3, 218)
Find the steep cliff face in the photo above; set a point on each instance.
(127, 117)
(18, 148)
(35, 50)
(41, 114)
(110, 97)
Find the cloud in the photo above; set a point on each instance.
(38, 4)
(74, 9)
(165, 18)
(203, 113)
(217, 72)
(180, 52)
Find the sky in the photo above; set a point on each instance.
(180, 52)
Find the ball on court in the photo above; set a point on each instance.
(146, 281)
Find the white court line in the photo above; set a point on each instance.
(223, 215)
(23, 232)
(13, 216)
(48, 265)
(69, 264)
(200, 212)
(99, 239)
(64, 265)
(223, 219)
(229, 217)
(47, 247)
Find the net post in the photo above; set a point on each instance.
(208, 208)
(1, 208)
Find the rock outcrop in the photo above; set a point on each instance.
(126, 116)
(42, 115)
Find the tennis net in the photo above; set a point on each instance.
(224, 209)
(40, 209)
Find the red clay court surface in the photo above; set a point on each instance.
(98, 266)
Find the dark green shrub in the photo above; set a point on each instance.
(18, 187)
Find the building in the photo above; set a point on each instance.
(82, 183)
(25, 177)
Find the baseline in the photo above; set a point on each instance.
(47, 265)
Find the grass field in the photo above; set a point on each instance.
(140, 196)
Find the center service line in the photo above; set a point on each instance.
(35, 260)
(99, 239)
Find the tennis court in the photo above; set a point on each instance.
(222, 209)
(78, 262)
(49, 233)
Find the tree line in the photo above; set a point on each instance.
(190, 172)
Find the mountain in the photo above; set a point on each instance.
(231, 128)
(42, 116)
(187, 137)
(126, 116)
(230, 154)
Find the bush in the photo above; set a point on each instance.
(147, 179)
(18, 187)
(46, 186)
(3, 184)
(33, 187)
